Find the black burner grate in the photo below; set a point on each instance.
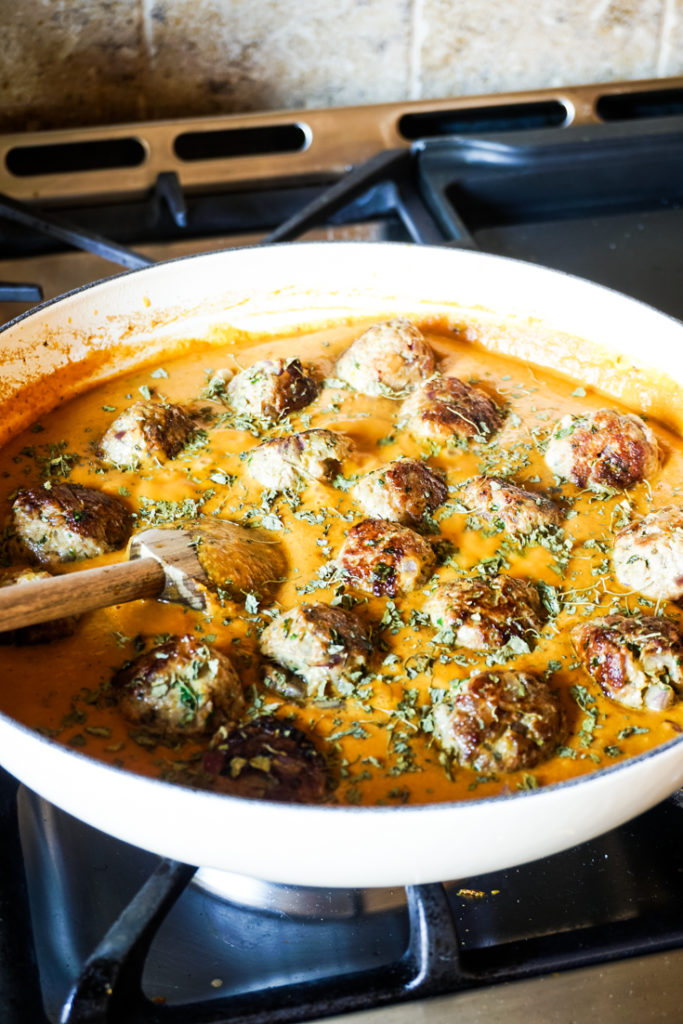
(110, 986)
(617, 896)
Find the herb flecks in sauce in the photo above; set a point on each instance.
(381, 732)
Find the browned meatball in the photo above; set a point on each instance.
(327, 647)
(146, 431)
(381, 557)
(388, 359)
(286, 462)
(484, 614)
(41, 632)
(271, 388)
(509, 507)
(500, 721)
(446, 410)
(180, 688)
(604, 450)
(69, 522)
(648, 554)
(637, 661)
(403, 491)
(268, 759)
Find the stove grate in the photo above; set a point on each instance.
(110, 986)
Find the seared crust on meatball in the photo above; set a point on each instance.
(381, 557)
(648, 554)
(146, 430)
(500, 721)
(268, 759)
(388, 359)
(180, 688)
(40, 632)
(271, 388)
(69, 522)
(509, 507)
(328, 647)
(604, 450)
(447, 410)
(636, 661)
(484, 614)
(285, 462)
(403, 491)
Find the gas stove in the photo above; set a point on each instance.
(587, 180)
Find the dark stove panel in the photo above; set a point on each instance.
(603, 204)
(81, 879)
(619, 895)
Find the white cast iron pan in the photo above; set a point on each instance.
(65, 346)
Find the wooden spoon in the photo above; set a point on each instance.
(178, 564)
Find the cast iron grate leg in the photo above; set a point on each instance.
(109, 989)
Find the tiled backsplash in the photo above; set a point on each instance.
(78, 62)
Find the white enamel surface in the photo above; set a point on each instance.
(270, 289)
(328, 846)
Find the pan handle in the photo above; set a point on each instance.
(24, 604)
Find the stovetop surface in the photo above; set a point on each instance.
(601, 201)
(604, 203)
(614, 897)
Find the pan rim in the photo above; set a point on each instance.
(345, 244)
(351, 810)
(444, 807)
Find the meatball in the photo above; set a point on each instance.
(500, 721)
(508, 507)
(380, 557)
(636, 661)
(41, 632)
(447, 410)
(389, 359)
(604, 450)
(284, 462)
(146, 431)
(268, 759)
(181, 688)
(648, 554)
(271, 388)
(485, 614)
(403, 491)
(328, 647)
(69, 522)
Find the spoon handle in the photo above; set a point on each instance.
(23, 604)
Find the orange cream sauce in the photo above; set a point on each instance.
(383, 754)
